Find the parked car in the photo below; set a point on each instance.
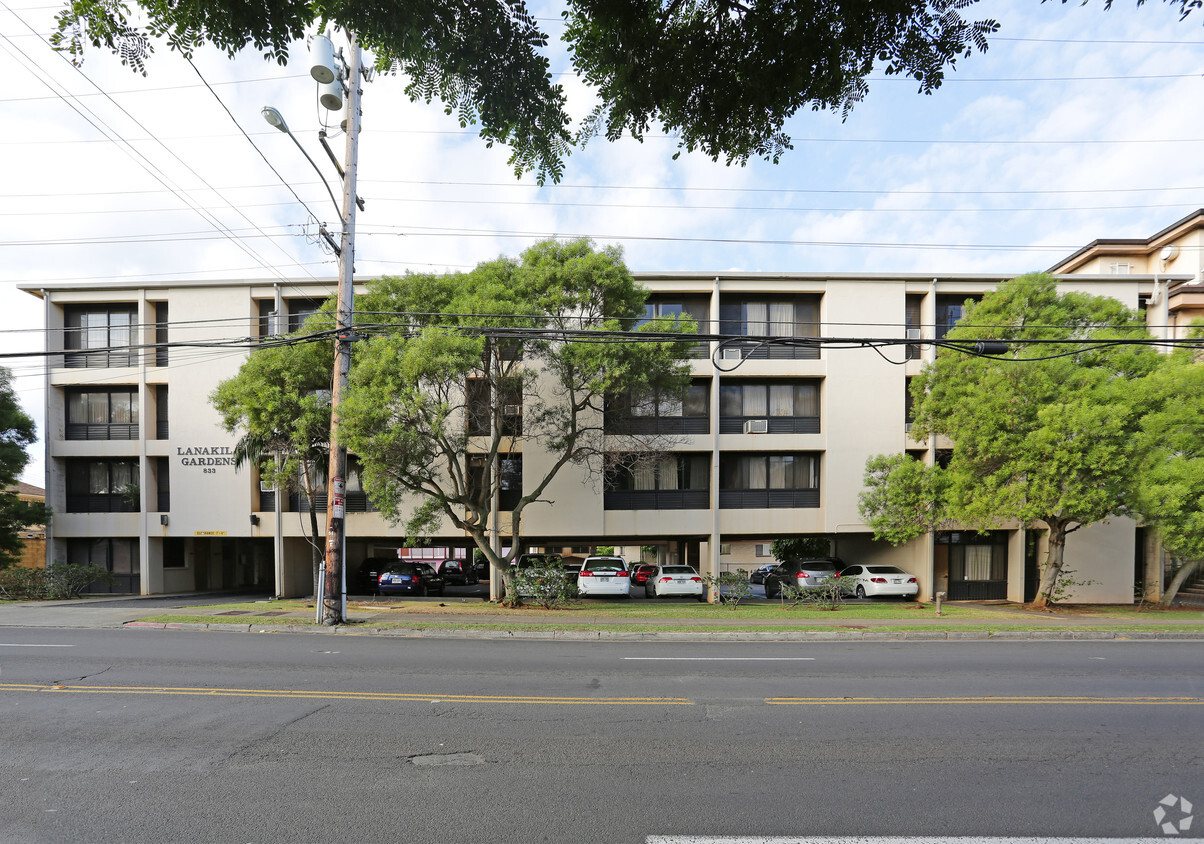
(882, 580)
(456, 572)
(675, 580)
(758, 576)
(607, 575)
(640, 574)
(402, 577)
(367, 577)
(806, 572)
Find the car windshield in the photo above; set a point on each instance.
(611, 564)
(401, 568)
(677, 570)
(884, 570)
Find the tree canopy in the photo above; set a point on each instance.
(721, 76)
(1044, 434)
(457, 367)
(17, 434)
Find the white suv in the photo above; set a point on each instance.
(604, 576)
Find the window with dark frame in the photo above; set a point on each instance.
(99, 335)
(787, 407)
(629, 414)
(754, 480)
(669, 482)
(790, 317)
(119, 556)
(110, 414)
(103, 486)
(479, 409)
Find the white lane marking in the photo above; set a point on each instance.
(869, 839)
(10, 645)
(724, 658)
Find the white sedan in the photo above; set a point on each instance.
(604, 576)
(674, 580)
(881, 580)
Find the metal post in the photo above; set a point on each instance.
(332, 612)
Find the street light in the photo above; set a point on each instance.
(276, 119)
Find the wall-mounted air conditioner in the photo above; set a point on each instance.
(756, 426)
(731, 354)
(512, 410)
(913, 334)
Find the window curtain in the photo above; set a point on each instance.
(756, 319)
(756, 400)
(781, 319)
(644, 476)
(781, 400)
(667, 473)
(806, 400)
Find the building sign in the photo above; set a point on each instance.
(208, 456)
(209, 533)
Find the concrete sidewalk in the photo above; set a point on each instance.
(126, 611)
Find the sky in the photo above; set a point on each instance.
(1078, 123)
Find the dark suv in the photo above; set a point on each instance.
(808, 572)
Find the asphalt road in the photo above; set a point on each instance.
(159, 735)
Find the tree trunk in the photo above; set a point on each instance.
(1185, 571)
(1053, 563)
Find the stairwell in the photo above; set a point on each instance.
(1192, 592)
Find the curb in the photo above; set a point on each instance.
(688, 636)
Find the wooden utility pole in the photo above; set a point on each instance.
(336, 511)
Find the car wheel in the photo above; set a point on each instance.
(860, 591)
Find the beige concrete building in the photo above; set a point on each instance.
(773, 440)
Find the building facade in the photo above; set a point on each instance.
(771, 441)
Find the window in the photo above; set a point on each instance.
(100, 335)
(664, 312)
(628, 414)
(914, 310)
(479, 408)
(103, 486)
(669, 482)
(102, 414)
(299, 309)
(792, 317)
(763, 549)
(511, 487)
(175, 553)
(909, 407)
(950, 309)
(788, 407)
(118, 556)
(768, 480)
(161, 352)
(161, 426)
(162, 469)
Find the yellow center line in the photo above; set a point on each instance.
(340, 695)
(925, 701)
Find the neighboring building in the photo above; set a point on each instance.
(33, 537)
(774, 439)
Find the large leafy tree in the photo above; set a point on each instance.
(1171, 483)
(449, 358)
(279, 405)
(1045, 434)
(17, 434)
(721, 76)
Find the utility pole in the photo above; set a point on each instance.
(336, 513)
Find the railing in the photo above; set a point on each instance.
(102, 503)
(84, 431)
(657, 499)
(94, 360)
(767, 499)
(619, 424)
(776, 424)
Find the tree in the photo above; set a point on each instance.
(903, 497)
(1171, 481)
(17, 433)
(797, 547)
(455, 364)
(721, 76)
(279, 403)
(1046, 433)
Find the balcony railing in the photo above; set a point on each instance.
(82, 431)
(774, 424)
(657, 499)
(767, 499)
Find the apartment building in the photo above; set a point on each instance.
(771, 441)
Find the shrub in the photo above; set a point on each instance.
(732, 587)
(58, 582)
(828, 595)
(551, 587)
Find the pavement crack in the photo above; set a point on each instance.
(83, 678)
